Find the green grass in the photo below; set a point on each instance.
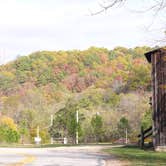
(136, 156)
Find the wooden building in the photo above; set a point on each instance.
(157, 58)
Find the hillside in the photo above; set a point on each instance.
(115, 83)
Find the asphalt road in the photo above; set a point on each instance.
(62, 156)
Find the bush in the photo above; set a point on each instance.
(8, 135)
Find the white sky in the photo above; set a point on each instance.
(32, 25)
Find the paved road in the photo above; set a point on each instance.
(62, 156)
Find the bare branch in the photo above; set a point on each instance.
(157, 7)
(109, 5)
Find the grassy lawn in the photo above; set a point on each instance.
(136, 156)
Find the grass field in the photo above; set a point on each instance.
(136, 156)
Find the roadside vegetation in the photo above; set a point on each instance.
(136, 156)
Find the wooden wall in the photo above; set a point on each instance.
(158, 60)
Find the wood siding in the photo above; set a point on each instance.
(158, 60)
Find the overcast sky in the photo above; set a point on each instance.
(32, 25)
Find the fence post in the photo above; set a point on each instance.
(142, 137)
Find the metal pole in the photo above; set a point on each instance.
(77, 127)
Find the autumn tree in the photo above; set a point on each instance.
(112, 82)
(8, 130)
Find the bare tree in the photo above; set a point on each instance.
(107, 5)
(155, 5)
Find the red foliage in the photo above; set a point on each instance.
(104, 58)
(120, 66)
(26, 86)
(109, 70)
(78, 84)
(68, 68)
(119, 78)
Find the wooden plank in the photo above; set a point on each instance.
(148, 135)
(145, 131)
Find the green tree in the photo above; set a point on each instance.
(123, 124)
(23, 130)
(147, 119)
(139, 77)
(65, 123)
(72, 125)
(97, 127)
(7, 80)
(8, 130)
(9, 134)
(58, 129)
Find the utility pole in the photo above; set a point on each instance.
(51, 139)
(77, 127)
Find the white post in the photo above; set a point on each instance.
(51, 120)
(51, 139)
(126, 136)
(37, 138)
(77, 127)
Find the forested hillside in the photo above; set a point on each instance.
(110, 88)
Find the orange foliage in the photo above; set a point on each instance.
(4, 120)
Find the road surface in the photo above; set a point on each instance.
(62, 156)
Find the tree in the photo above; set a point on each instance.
(8, 135)
(72, 126)
(100, 75)
(154, 5)
(65, 123)
(123, 125)
(147, 119)
(8, 130)
(58, 129)
(97, 126)
(6, 121)
(7, 80)
(139, 77)
(23, 130)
